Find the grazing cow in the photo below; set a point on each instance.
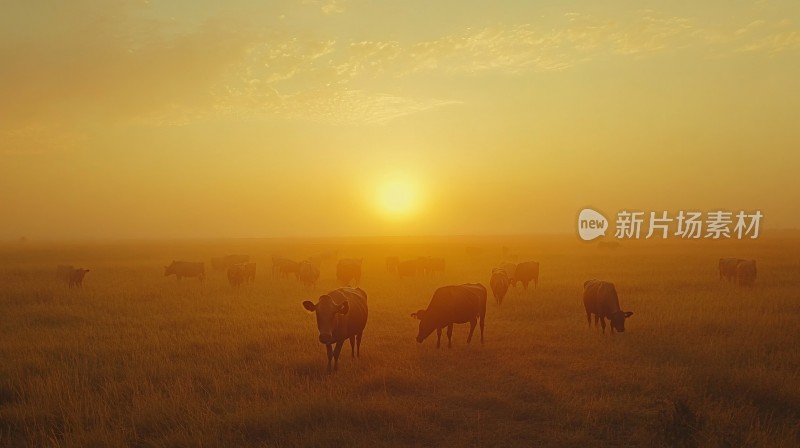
(223, 263)
(600, 298)
(182, 269)
(499, 284)
(525, 272)
(408, 268)
(341, 314)
(510, 269)
(349, 269)
(76, 277)
(456, 304)
(63, 272)
(308, 273)
(727, 268)
(746, 272)
(391, 263)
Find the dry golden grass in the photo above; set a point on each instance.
(138, 359)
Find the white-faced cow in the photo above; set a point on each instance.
(182, 269)
(349, 269)
(525, 272)
(499, 284)
(341, 315)
(600, 298)
(455, 304)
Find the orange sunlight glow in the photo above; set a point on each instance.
(398, 198)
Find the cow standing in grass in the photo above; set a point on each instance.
(455, 304)
(525, 272)
(189, 269)
(341, 315)
(308, 273)
(600, 298)
(499, 284)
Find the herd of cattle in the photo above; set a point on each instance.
(341, 314)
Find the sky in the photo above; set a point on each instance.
(162, 119)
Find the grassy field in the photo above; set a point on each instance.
(139, 359)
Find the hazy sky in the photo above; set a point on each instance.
(290, 117)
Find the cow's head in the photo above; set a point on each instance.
(327, 312)
(618, 320)
(425, 327)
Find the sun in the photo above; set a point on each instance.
(398, 197)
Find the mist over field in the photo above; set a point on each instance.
(134, 358)
(537, 223)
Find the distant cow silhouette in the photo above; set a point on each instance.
(307, 273)
(455, 304)
(499, 284)
(600, 298)
(525, 272)
(349, 269)
(240, 273)
(182, 269)
(341, 315)
(76, 277)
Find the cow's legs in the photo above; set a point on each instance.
(596, 319)
(353, 346)
(589, 319)
(330, 355)
(483, 317)
(438, 337)
(471, 329)
(525, 285)
(336, 353)
(603, 324)
(358, 344)
(450, 336)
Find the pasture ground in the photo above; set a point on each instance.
(138, 359)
